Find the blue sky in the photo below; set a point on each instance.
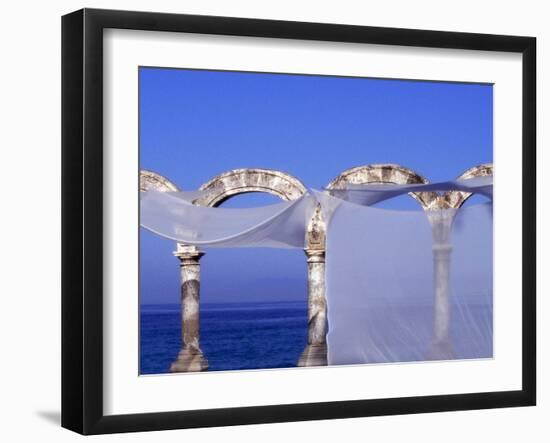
(195, 124)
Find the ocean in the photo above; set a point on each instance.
(234, 336)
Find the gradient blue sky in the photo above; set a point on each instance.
(195, 124)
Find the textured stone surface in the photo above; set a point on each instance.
(242, 181)
(149, 180)
(386, 173)
(190, 358)
(316, 231)
(313, 355)
(455, 199)
(188, 361)
(315, 352)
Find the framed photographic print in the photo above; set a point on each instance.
(269, 221)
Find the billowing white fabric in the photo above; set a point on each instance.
(370, 194)
(172, 215)
(381, 287)
(400, 285)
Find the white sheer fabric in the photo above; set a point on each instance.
(400, 285)
(395, 293)
(371, 194)
(172, 215)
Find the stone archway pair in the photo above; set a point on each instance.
(213, 194)
(286, 187)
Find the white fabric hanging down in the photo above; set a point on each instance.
(380, 286)
(400, 285)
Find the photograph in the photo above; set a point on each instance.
(273, 220)
(293, 220)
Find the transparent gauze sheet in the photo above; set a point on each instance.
(172, 215)
(409, 285)
(400, 285)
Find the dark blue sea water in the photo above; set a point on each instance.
(233, 335)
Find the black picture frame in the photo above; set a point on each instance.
(82, 218)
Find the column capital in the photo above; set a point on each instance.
(188, 254)
(315, 255)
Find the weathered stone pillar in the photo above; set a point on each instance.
(315, 353)
(190, 358)
(441, 221)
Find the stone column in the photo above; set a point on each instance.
(441, 221)
(190, 358)
(315, 353)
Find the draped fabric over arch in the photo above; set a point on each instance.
(401, 285)
(174, 216)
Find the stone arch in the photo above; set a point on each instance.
(455, 199)
(242, 181)
(386, 173)
(246, 180)
(288, 188)
(149, 180)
